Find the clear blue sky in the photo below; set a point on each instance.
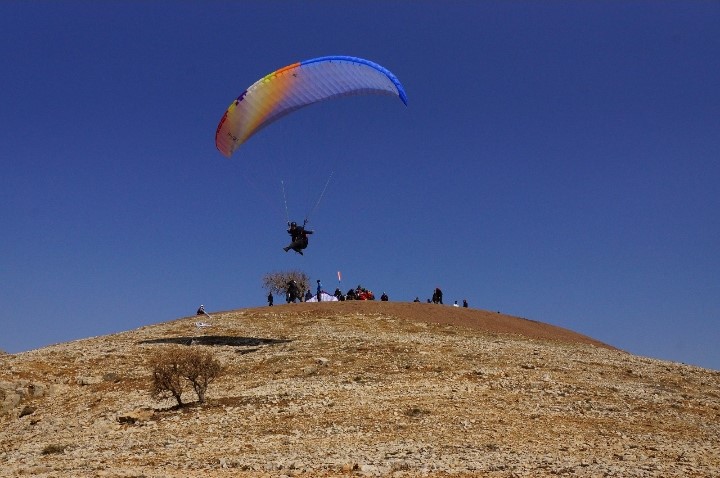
(557, 161)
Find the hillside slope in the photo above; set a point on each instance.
(360, 388)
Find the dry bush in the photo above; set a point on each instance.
(54, 449)
(167, 378)
(176, 368)
(201, 368)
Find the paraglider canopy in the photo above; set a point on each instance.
(296, 86)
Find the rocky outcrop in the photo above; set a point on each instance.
(361, 390)
(14, 396)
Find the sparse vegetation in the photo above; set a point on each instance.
(416, 412)
(54, 449)
(201, 368)
(353, 389)
(177, 368)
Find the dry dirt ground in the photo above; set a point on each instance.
(360, 389)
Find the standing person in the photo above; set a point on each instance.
(298, 238)
(270, 299)
(465, 304)
(319, 290)
(293, 292)
(437, 296)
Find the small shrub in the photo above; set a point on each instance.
(54, 449)
(167, 379)
(201, 368)
(177, 368)
(416, 412)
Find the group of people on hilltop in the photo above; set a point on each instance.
(293, 293)
(358, 293)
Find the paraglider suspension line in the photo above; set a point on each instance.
(287, 213)
(312, 211)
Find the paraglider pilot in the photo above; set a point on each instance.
(298, 236)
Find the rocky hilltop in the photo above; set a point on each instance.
(360, 389)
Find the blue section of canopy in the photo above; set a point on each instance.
(363, 61)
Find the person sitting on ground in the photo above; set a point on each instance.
(384, 297)
(201, 311)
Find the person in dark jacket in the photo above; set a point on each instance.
(293, 292)
(437, 296)
(201, 311)
(298, 238)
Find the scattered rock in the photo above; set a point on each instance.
(84, 381)
(139, 415)
(111, 377)
(27, 410)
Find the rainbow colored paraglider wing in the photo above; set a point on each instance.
(298, 85)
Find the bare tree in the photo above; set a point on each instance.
(276, 282)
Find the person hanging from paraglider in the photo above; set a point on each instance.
(298, 237)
